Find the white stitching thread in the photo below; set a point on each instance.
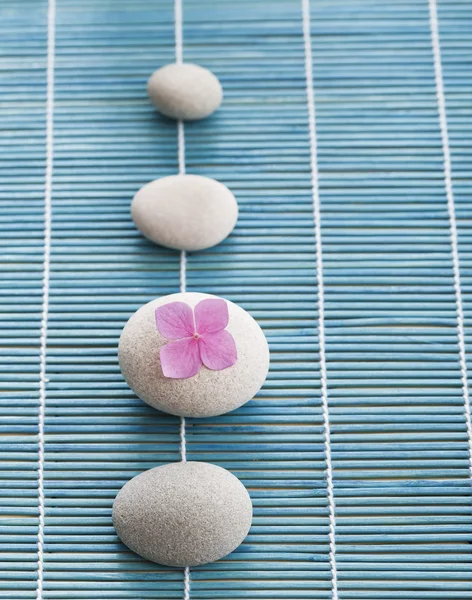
(183, 442)
(186, 583)
(181, 147)
(183, 257)
(433, 21)
(51, 22)
(319, 277)
(183, 271)
(179, 45)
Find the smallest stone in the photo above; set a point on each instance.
(185, 91)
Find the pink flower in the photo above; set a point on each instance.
(200, 338)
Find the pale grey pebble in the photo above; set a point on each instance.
(185, 91)
(185, 212)
(207, 394)
(183, 514)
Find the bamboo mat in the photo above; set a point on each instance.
(400, 522)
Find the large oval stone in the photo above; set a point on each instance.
(183, 514)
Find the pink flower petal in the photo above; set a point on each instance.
(211, 315)
(218, 350)
(175, 320)
(181, 359)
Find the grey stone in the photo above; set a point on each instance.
(185, 91)
(185, 212)
(183, 514)
(209, 393)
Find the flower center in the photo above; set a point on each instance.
(196, 336)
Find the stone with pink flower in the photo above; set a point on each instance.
(193, 355)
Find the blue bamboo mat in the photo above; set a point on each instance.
(399, 444)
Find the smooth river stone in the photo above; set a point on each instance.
(185, 91)
(183, 514)
(208, 393)
(185, 212)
